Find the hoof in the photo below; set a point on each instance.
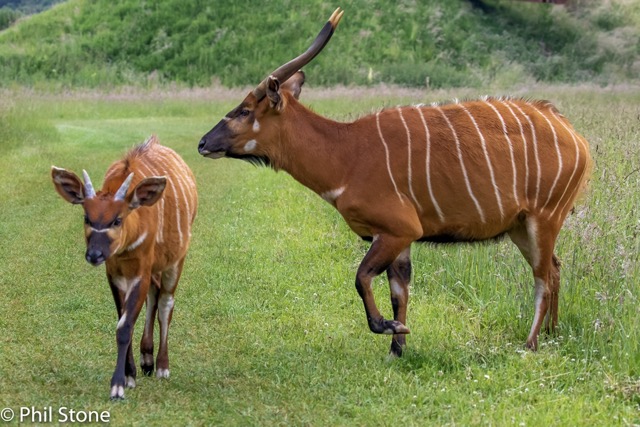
(130, 382)
(396, 349)
(146, 363)
(532, 344)
(117, 392)
(392, 327)
(162, 373)
(147, 369)
(387, 327)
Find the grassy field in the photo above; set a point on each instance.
(268, 327)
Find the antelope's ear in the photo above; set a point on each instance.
(68, 185)
(273, 93)
(147, 192)
(294, 84)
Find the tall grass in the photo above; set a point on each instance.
(268, 327)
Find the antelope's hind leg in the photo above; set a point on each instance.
(170, 278)
(384, 250)
(399, 275)
(536, 240)
(146, 343)
(551, 320)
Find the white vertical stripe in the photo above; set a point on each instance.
(464, 170)
(386, 152)
(555, 141)
(177, 179)
(576, 189)
(575, 165)
(535, 151)
(187, 179)
(524, 148)
(171, 187)
(428, 166)
(152, 172)
(410, 166)
(496, 190)
(108, 175)
(160, 234)
(513, 159)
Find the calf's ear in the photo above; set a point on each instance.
(68, 185)
(147, 192)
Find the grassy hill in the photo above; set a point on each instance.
(195, 42)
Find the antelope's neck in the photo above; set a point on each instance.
(316, 152)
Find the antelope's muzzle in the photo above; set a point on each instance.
(97, 248)
(215, 143)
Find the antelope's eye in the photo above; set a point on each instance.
(117, 222)
(245, 113)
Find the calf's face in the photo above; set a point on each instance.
(105, 214)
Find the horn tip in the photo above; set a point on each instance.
(335, 17)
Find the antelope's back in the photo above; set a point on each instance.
(483, 162)
(174, 213)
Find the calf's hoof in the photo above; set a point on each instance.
(147, 369)
(117, 392)
(162, 373)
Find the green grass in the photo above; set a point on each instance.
(268, 327)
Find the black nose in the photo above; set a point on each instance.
(95, 256)
(201, 145)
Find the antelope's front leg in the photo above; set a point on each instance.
(125, 371)
(399, 275)
(383, 252)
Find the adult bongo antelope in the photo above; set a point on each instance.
(455, 172)
(142, 236)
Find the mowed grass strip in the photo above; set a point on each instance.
(268, 328)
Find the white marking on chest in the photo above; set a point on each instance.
(250, 145)
(332, 195)
(256, 126)
(138, 242)
(124, 284)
